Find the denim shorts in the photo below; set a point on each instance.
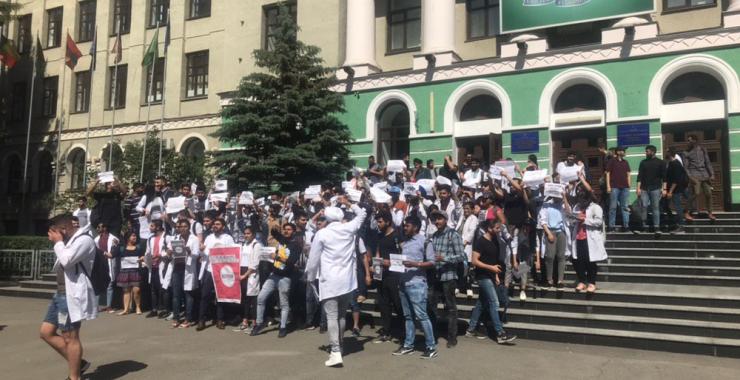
(58, 314)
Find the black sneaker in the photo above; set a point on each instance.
(609, 229)
(429, 354)
(322, 329)
(152, 314)
(636, 231)
(475, 334)
(451, 343)
(257, 329)
(658, 234)
(356, 332)
(625, 230)
(678, 231)
(403, 351)
(282, 333)
(504, 337)
(382, 338)
(84, 366)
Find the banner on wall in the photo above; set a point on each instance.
(633, 134)
(521, 15)
(225, 269)
(525, 142)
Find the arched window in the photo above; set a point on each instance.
(45, 172)
(693, 87)
(77, 165)
(193, 147)
(393, 132)
(117, 158)
(481, 107)
(580, 97)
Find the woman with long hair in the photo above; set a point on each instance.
(129, 277)
(587, 236)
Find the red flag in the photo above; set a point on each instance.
(72, 54)
(8, 53)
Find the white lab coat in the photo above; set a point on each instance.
(469, 225)
(80, 293)
(212, 241)
(594, 232)
(112, 241)
(149, 256)
(452, 210)
(191, 263)
(250, 258)
(332, 259)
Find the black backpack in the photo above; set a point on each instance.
(100, 275)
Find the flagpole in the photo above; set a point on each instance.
(89, 107)
(164, 98)
(60, 123)
(148, 111)
(115, 103)
(30, 117)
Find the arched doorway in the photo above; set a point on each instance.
(478, 128)
(193, 147)
(694, 103)
(394, 127)
(579, 118)
(76, 167)
(44, 172)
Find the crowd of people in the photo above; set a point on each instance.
(416, 233)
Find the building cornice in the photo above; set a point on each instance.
(675, 43)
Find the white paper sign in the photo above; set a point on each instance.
(569, 173)
(144, 232)
(354, 195)
(219, 197)
(380, 196)
(443, 180)
(129, 262)
(175, 204)
(495, 172)
(397, 263)
(534, 178)
(266, 253)
(221, 185)
(396, 166)
(346, 185)
(554, 190)
(410, 188)
(193, 188)
(381, 185)
(315, 189)
(427, 184)
(246, 198)
(506, 166)
(105, 177)
(377, 268)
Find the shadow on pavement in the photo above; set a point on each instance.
(2, 327)
(115, 370)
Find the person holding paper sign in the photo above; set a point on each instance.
(552, 221)
(217, 237)
(108, 204)
(184, 274)
(250, 258)
(413, 289)
(388, 243)
(568, 169)
(587, 238)
(130, 257)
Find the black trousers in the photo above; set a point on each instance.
(585, 269)
(389, 301)
(446, 291)
(158, 294)
(207, 296)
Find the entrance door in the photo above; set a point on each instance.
(486, 148)
(712, 135)
(586, 143)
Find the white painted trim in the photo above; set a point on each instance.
(515, 128)
(703, 63)
(188, 137)
(571, 77)
(70, 149)
(467, 91)
(373, 111)
(429, 151)
(431, 135)
(477, 127)
(694, 111)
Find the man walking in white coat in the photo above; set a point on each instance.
(75, 298)
(332, 261)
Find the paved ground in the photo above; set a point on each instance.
(132, 347)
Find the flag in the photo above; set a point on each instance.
(40, 60)
(8, 53)
(93, 51)
(72, 54)
(152, 53)
(167, 34)
(117, 50)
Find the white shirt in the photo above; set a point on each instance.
(474, 176)
(332, 259)
(213, 241)
(83, 215)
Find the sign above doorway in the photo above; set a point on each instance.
(633, 134)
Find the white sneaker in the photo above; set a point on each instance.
(335, 358)
(470, 293)
(522, 296)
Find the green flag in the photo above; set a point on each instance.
(152, 53)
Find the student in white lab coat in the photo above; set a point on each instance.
(74, 300)
(333, 262)
(183, 273)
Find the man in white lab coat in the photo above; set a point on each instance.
(75, 252)
(332, 261)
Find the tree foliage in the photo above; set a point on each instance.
(283, 119)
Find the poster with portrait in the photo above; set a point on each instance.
(225, 269)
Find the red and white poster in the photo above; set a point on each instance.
(225, 266)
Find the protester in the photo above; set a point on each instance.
(130, 258)
(82, 213)
(184, 273)
(651, 188)
(249, 260)
(387, 290)
(107, 243)
(618, 184)
(677, 183)
(216, 238)
(74, 300)
(587, 237)
(701, 174)
(155, 251)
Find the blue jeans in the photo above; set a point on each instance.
(178, 292)
(652, 198)
(620, 196)
(282, 283)
(486, 299)
(414, 303)
(58, 315)
(313, 305)
(677, 205)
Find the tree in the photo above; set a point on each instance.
(283, 119)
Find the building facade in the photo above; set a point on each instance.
(210, 50)
(431, 78)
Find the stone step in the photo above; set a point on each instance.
(673, 252)
(675, 260)
(683, 270)
(693, 237)
(660, 278)
(17, 291)
(36, 284)
(49, 277)
(648, 242)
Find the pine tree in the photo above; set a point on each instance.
(283, 119)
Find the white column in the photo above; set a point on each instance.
(437, 26)
(734, 6)
(360, 44)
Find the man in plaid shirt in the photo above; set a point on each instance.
(449, 254)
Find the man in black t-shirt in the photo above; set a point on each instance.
(489, 273)
(389, 242)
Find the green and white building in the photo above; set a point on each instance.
(437, 77)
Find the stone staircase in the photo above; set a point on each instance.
(677, 293)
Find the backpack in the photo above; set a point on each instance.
(100, 274)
